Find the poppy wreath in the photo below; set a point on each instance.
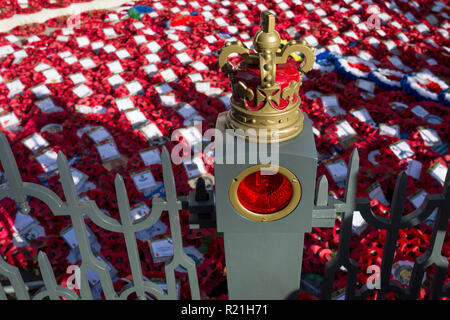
(424, 85)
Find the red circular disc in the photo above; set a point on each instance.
(264, 194)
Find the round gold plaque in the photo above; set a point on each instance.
(265, 217)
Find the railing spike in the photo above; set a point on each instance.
(322, 192)
(65, 177)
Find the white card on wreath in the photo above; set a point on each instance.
(99, 134)
(109, 48)
(135, 116)
(134, 87)
(47, 160)
(203, 86)
(115, 80)
(82, 41)
(124, 103)
(78, 177)
(148, 31)
(161, 250)
(377, 193)
(153, 46)
(52, 76)
(420, 111)
(143, 180)
(9, 121)
(179, 45)
(362, 115)
(139, 211)
(186, 111)
(15, 87)
(97, 45)
(194, 167)
(344, 130)
(70, 236)
(152, 58)
(163, 88)
(47, 106)
(70, 60)
(199, 66)
(402, 149)
(123, 54)
(108, 151)
(438, 171)
(22, 221)
(150, 69)
(418, 198)
(77, 78)
(429, 136)
(6, 50)
(365, 85)
(140, 39)
(192, 135)
(40, 91)
(82, 91)
(390, 130)
(41, 66)
(19, 56)
(414, 168)
(35, 142)
(168, 100)
(139, 25)
(109, 32)
(338, 171)
(168, 75)
(87, 63)
(150, 156)
(195, 77)
(62, 38)
(150, 130)
(184, 58)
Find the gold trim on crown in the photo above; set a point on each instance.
(289, 121)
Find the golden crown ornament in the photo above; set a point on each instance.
(265, 84)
